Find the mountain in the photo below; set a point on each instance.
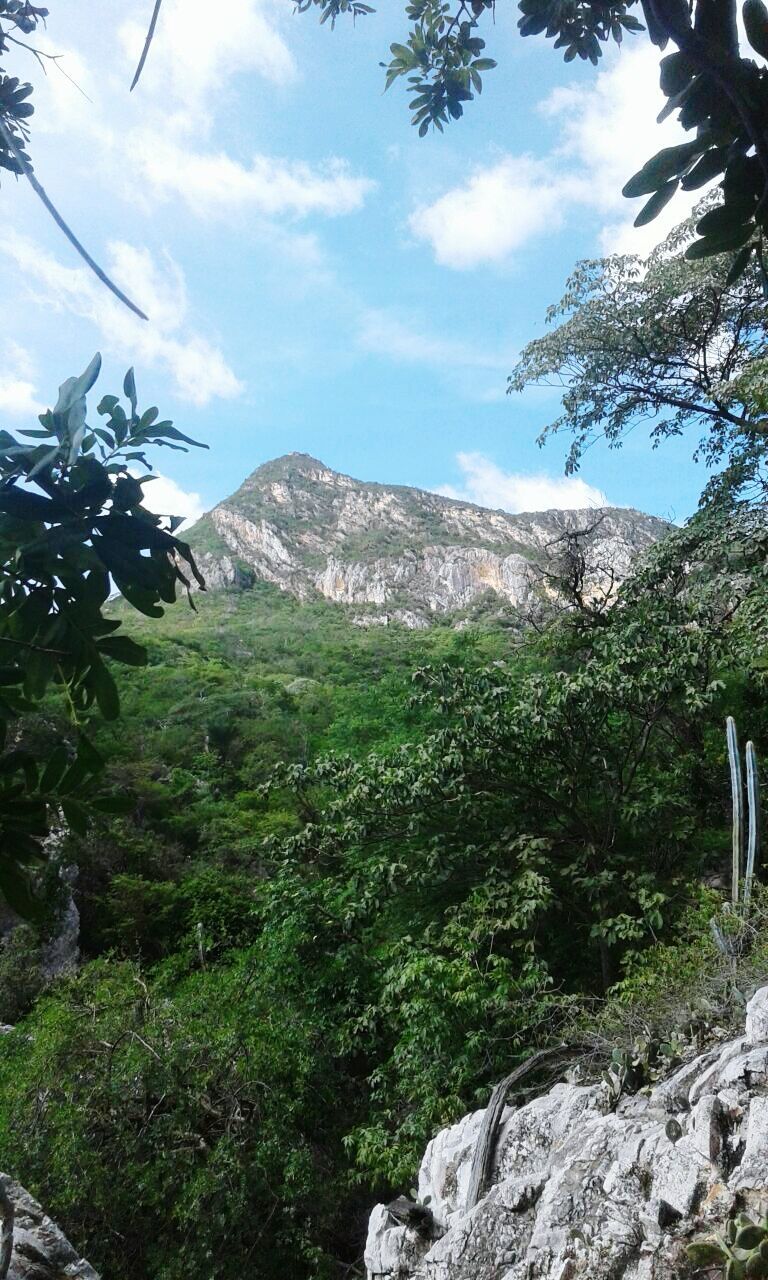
(398, 553)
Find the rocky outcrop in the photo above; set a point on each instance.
(40, 1250)
(578, 1189)
(405, 553)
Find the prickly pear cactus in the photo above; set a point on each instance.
(742, 1250)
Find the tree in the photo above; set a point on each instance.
(72, 523)
(676, 343)
(720, 94)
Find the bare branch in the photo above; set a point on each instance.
(26, 169)
(147, 43)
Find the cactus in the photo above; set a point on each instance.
(742, 1250)
(753, 801)
(737, 799)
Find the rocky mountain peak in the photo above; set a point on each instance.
(397, 553)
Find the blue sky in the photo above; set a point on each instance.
(317, 277)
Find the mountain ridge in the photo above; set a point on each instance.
(410, 553)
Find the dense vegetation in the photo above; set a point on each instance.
(344, 903)
(359, 873)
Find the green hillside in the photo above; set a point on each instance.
(364, 872)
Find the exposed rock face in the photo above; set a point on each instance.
(581, 1191)
(40, 1250)
(409, 553)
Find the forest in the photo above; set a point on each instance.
(333, 883)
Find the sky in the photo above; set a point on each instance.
(317, 277)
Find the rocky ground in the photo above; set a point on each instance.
(579, 1189)
(39, 1250)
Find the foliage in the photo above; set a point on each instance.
(72, 521)
(21, 976)
(18, 19)
(667, 341)
(202, 1128)
(741, 1251)
(310, 961)
(721, 96)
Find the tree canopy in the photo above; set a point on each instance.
(674, 343)
(719, 91)
(73, 523)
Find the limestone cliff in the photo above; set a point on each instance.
(581, 1190)
(394, 552)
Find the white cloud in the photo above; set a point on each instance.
(197, 367)
(487, 485)
(404, 339)
(17, 389)
(496, 211)
(166, 498)
(216, 184)
(606, 131)
(185, 91)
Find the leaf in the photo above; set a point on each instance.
(74, 390)
(16, 885)
(717, 244)
(105, 690)
(656, 203)
(54, 770)
(706, 1253)
(76, 816)
(740, 263)
(123, 649)
(21, 505)
(708, 167)
(129, 387)
(113, 805)
(666, 164)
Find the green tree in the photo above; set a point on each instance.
(674, 343)
(72, 523)
(719, 91)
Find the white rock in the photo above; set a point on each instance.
(577, 1192)
(41, 1251)
(757, 1017)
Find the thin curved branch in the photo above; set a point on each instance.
(39, 191)
(147, 43)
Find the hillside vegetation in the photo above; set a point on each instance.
(344, 903)
(335, 881)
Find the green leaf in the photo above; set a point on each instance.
(54, 770)
(105, 690)
(113, 805)
(129, 389)
(666, 164)
(657, 202)
(717, 244)
(76, 815)
(706, 1253)
(16, 886)
(740, 264)
(123, 649)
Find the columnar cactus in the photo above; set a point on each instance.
(753, 800)
(737, 800)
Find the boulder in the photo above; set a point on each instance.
(582, 1190)
(40, 1250)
